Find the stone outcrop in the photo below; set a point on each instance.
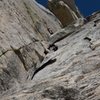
(38, 65)
(23, 39)
(65, 10)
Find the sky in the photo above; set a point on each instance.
(43, 2)
(86, 7)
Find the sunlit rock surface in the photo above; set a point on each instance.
(23, 39)
(38, 65)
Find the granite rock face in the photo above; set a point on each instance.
(23, 39)
(38, 65)
(65, 10)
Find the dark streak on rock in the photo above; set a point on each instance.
(6, 71)
(51, 61)
(3, 53)
(62, 37)
(87, 38)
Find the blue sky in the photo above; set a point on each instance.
(86, 7)
(43, 2)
